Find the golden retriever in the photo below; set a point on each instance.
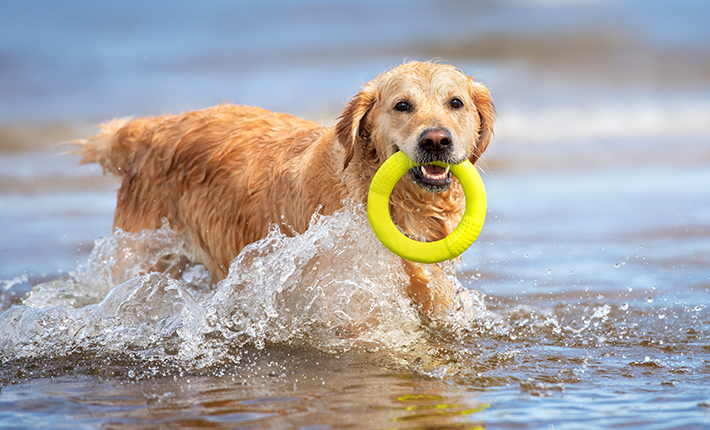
(222, 176)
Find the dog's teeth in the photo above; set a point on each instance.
(438, 177)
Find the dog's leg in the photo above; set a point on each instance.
(442, 292)
(429, 288)
(418, 288)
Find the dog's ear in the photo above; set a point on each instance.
(351, 125)
(486, 114)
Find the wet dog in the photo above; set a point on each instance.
(222, 176)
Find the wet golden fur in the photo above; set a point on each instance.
(223, 175)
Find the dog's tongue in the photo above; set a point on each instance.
(434, 175)
(433, 170)
(432, 178)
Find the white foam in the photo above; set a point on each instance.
(332, 288)
(328, 287)
(596, 120)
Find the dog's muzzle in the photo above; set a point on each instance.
(434, 145)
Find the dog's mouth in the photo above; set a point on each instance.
(432, 178)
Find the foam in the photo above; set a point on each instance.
(333, 288)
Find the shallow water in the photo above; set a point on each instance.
(595, 314)
(584, 303)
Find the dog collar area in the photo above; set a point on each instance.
(451, 246)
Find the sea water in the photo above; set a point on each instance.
(598, 307)
(583, 304)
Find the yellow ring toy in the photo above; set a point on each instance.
(451, 246)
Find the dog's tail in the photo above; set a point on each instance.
(108, 147)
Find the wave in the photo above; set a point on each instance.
(603, 121)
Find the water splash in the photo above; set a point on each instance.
(114, 260)
(334, 287)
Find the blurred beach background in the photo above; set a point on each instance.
(598, 176)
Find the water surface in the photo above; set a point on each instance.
(584, 303)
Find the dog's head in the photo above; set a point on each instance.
(430, 111)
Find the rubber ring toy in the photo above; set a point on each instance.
(451, 246)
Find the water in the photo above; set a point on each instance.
(590, 316)
(584, 303)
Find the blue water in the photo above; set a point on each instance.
(594, 259)
(87, 60)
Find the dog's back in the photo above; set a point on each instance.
(221, 175)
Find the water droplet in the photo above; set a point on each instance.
(131, 374)
(549, 271)
(698, 308)
(617, 265)
(650, 299)
(624, 307)
(661, 316)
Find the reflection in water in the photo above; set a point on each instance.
(271, 388)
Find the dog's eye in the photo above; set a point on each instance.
(456, 103)
(402, 106)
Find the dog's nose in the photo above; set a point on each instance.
(435, 140)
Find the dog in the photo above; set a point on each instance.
(223, 175)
